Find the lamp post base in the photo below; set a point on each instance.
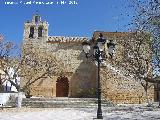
(97, 119)
(99, 114)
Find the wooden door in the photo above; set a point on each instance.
(62, 87)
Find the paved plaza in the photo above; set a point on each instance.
(109, 113)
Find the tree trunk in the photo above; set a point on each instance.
(147, 98)
(19, 100)
(158, 97)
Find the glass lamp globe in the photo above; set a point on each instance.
(86, 47)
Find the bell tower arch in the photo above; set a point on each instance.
(36, 28)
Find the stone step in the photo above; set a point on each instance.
(61, 99)
(94, 100)
(44, 105)
(60, 102)
(50, 105)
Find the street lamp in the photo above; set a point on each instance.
(86, 48)
(111, 48)
(98, 50)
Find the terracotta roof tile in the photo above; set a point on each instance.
(63, 39)
(110, 35)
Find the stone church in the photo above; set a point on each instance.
(79, 74)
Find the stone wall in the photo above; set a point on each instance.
(115, 85)
(70, 62)
(82, 74)
(73, 64)
(119, 89)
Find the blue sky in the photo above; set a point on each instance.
(81, 19)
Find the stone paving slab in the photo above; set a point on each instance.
(109, 113)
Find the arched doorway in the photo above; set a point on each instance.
(62, 87)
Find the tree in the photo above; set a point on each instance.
(6, 52)
(29, 64)
(148, 19)
(36, 66)
(142, 47)
(137, 58)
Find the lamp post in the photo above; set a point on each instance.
(158, 87)
(98, 50)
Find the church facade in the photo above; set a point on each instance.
(77, 76)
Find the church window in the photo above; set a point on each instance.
(31, 32)
(40, 31)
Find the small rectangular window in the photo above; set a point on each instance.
(31, 32)
(40, 31)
